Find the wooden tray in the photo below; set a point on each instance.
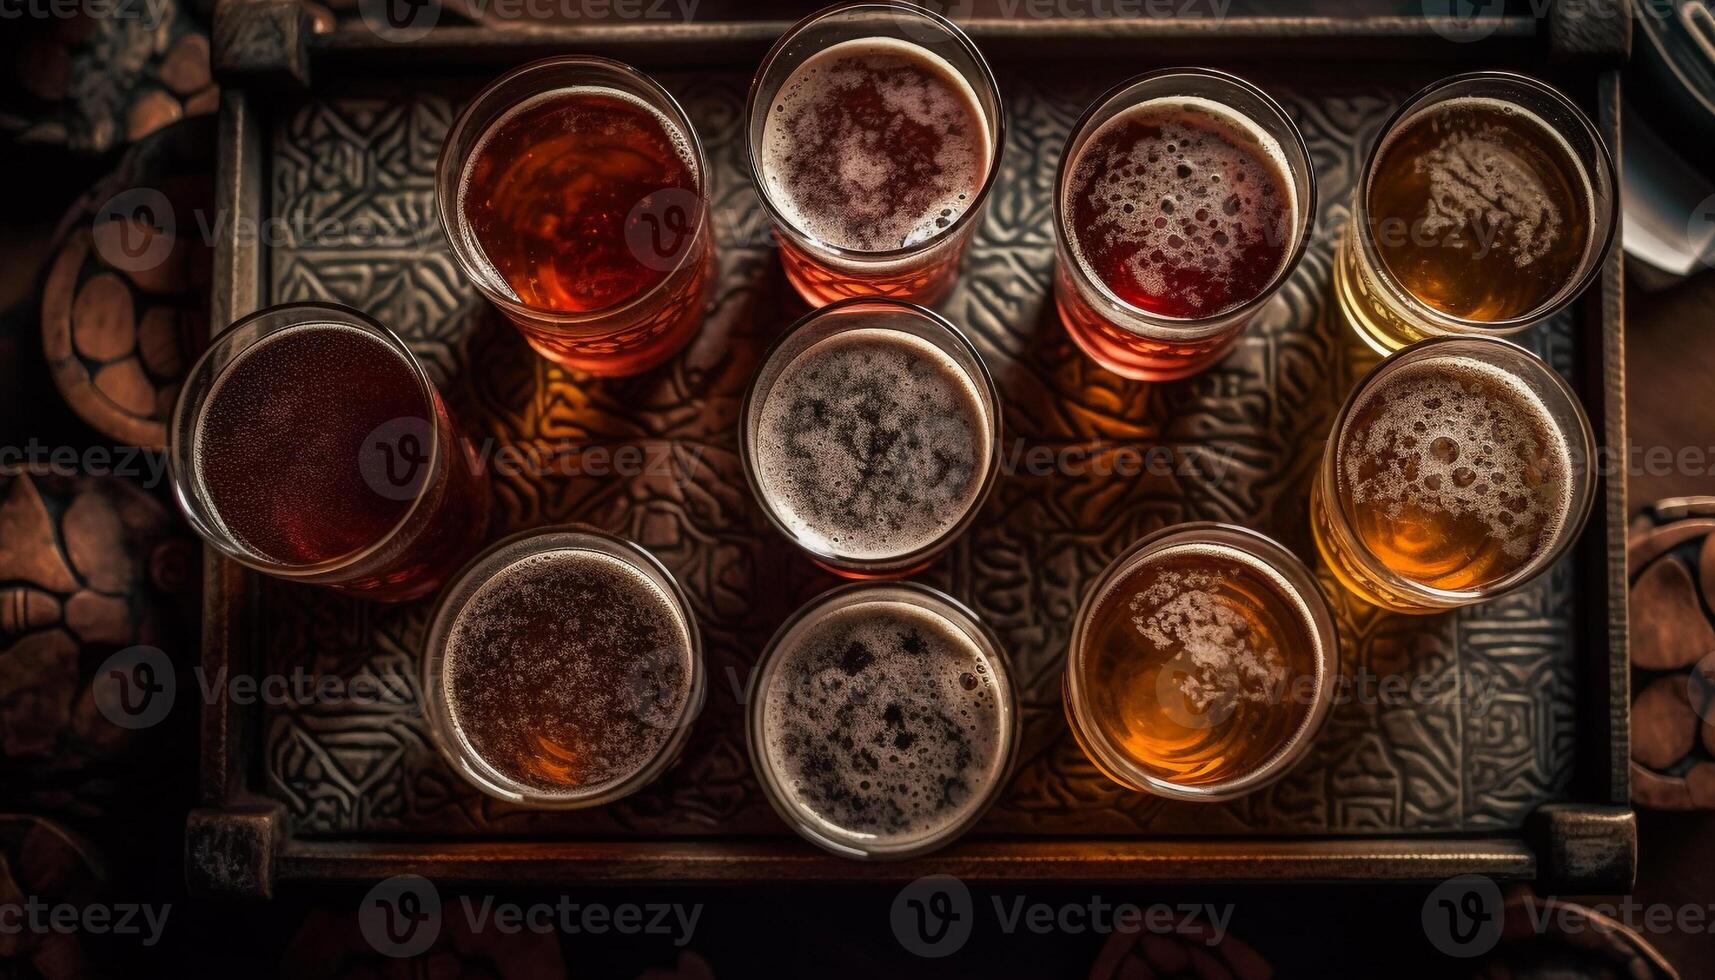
(317, 130)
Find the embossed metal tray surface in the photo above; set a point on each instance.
(1518, 773)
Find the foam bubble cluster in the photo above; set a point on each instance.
(1224, 659)
(1182, 201)
(1463, 439)
(871, 444)
(567, 671)
(874, 144)
(884, 721)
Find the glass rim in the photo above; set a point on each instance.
(997, 129)
(1319, 621)
(979, 376)
(1195, 328)
(1583, 473)
(451, 173)
(455, 750)
(939, 604)
(1596, 255)
(186, 423)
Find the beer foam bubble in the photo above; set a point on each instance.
(1188, 197)
(1463, 438)
(567, 670)
(874, 144)
(1226, 660)
(884, 722)
(871, 444)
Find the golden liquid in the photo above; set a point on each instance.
(1479, 210)
(1198, 665)
(1453, 474)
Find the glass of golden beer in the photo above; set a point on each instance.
(1202, 664)
(1458, 470)
(1183, 202)
(1486, 206)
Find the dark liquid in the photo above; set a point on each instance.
(562, 194)
(871, 444)
(1197, 666)
(1179, 211)
(875, 145)
(281, 444)
(882, 719)
(567, 671)
(1479, 211)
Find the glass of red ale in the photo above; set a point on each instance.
(1184, 201)
(875, 135)
(309, 444)
(573, 193)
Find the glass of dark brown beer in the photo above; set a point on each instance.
(308, 444)
(1459, 469)
(1183, 202)
(875, 135)
(573, 193)
(1487, 205)
(1202, 664)
(563, 669)
(871, 436)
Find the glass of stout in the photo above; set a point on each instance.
(875, 134)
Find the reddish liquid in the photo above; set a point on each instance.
(281, 441)
(1180, 210)
(558, 195)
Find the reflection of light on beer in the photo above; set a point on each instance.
(1454, 472)
(1195, 665)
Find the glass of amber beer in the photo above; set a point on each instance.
(1458, 470)
(1183, 202)
(1202, 663)
(573, 193)
(875, 135)
(1486, 206)
(563, 669)
(310, 445)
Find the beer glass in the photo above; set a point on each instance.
(1486, 206)
(309, 444)
(563, 669)
(1458, 470)
(1201, 665)
(1183, 201)
(882, 720)
(875, 134)
(611, 279)
(871, 436)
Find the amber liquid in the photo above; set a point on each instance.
(563, 193)
(1453, 474)
(1198, 664)
(1479, 210)
(1180, 209)
(567, 672)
